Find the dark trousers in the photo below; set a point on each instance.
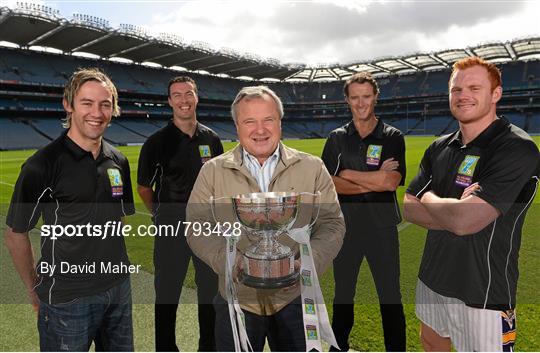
(284, 330)
(171, 261)
(381, 249)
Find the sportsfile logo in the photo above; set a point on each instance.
(119, 229)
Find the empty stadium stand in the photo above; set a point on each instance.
(16, 134)
(413, 89)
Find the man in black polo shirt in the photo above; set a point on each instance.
(472, 193)
(367, 160)
(169, 163)
(79, 184)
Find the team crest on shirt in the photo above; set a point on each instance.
(373, 156)
(205, 153)
(466, 170)
(115, 178)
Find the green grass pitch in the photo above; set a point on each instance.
(18, 325)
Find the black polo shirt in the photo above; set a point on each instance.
(345, 149)
(65, 185)
(170, 162)
(480, 269)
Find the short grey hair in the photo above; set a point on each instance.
(256, 92)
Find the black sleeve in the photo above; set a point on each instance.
(146, 168)
(396, 150)
(30, 193)
(218, 147)
(422, 181)
(129, 207)
(331, 155)
(507, 172)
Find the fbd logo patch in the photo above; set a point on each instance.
(311, 332)
(306, 278)
(373, 156)
(309, 305)
(115, 179)
(466, 170)
(205, 153)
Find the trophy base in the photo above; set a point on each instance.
(269, 283)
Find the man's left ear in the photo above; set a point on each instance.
(497, 94)
(66, 105)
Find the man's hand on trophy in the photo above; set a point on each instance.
(297, 265)
(296, 286)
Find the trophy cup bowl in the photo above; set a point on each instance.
(268, 263)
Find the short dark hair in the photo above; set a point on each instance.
(360, 77)
(179, 79)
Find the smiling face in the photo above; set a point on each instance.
(472, 98)
(91, 112)
(183, 100)
(361, 99)
(258, 126)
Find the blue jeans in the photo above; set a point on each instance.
(103, 318)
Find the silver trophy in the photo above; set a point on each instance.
(264, 216)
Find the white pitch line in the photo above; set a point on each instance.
(8, 184)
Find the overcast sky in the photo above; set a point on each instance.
(317, 32)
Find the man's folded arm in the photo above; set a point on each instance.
(461, 217)
(415, 212)
(374, 181)
(346, 187)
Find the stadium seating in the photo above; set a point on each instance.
(118, 134)
(18, 135)
(140, 127)
(534, 125)
(436, 82)
(516, 119)
(50, 127)
(416, 103)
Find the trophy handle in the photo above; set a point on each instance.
(213, 205)
(318, 198)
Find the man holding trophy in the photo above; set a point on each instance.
(249, 201)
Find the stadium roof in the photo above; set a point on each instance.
(30, 25)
